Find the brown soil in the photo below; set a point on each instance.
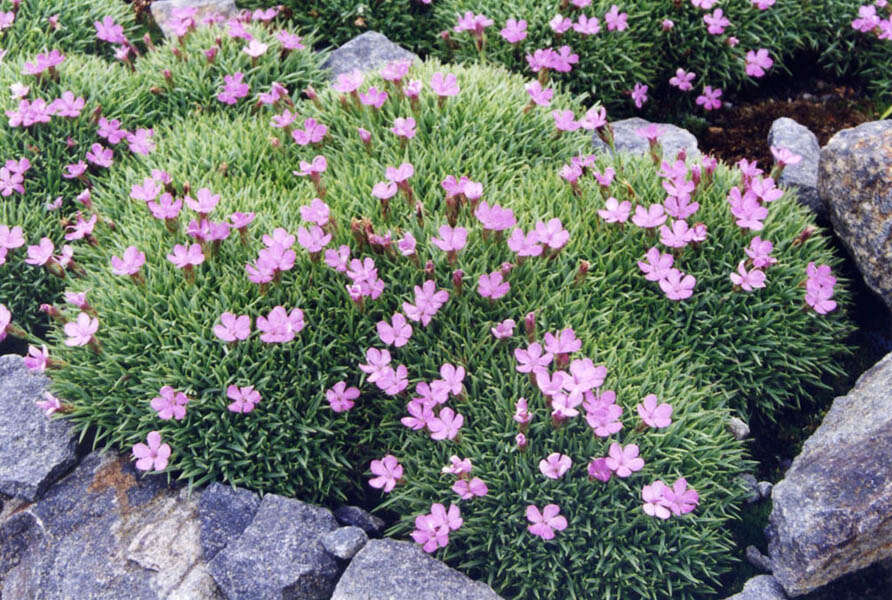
(742, 131)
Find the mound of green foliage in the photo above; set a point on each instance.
(157, 329)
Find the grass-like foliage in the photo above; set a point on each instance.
(66, 25)
(717, 347)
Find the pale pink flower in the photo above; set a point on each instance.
(399, 174)
(757, 62)
(546, 522)
(170, 404)
(41, 253)
(603, 418)
(616, 21)
(552, 233)
(233, 327)
(451, 239)
(131, 262)
(716, 22)
(598, 469)
(654, 505)
(492, 286)
(650, 217)
(347, 83)
(759, 251)
(183, 256)
(654, 414)
(503, 330)
(280, 326)
(565, 342)
(340, 397)
(80, 331)
(444, 85)
(469, 489)
(677, 285)
(538, 94)
(555, 465)
(624, 460)
(49, 405)
(615, 211)
(709, 99)
(680, 499)
(683, 80)
(524, 244)
(153, 455)
(639, 95)
(748, 280)
(397, 332)
(446, 425)
(244, 399)
(37, 358)
(373, 97)
(404, 127)
(514, 31)
(533, 359)
(388, 472)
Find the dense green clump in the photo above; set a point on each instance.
(157, 330)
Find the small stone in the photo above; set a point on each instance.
(402, 571)
(761, 587)
(279, 555)
(751, 484)
(764, 488)
(353, 515)
(344, 542)
(738, 428)
(366, 52)
(224, 513)
(34, 450)
(625, 139)
(803, 176)
(162, 10)
(757, 559)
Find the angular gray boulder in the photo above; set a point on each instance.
(224, 513)
(366, 52)
(279, 555)
(34, 450)
(353, 515)
(832, 512)
(162, 10)
(855, 182)
(392, 570)
(625, 139)
(344, 542)
(787, 133)
(761, 587)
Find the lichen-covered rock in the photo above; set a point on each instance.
(392, 570)
(224, 512)
(279, 555)
(738, 428)
(34, 450)
(787, 133)
(104, 533)
(353, 515)
(855, 182)
(761, 587)
(162, 10)
(672, 140)
(832, 512)
(366, 52)
(344, 542)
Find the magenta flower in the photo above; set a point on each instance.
(109, 31)
(746, 209)
(503, 330)
(377, 361)
(153, 456)
(765, 190)
(80, 331)
(348, 83)
(679, 498)
(639, 94)
(340, 397)
(140, 141)
(111, 130)
(555, 465)
(283, 120)
(451, 239)
(67, 105)
(388, 472)
(514, 31)
(624, 460)
(420, 414)
(37, 358)
(314, 239)
(716, 22)
(317, 212)
(533, 359)
(205, 203)
(183, 257)
(446, 425)
(428, 300)
(654, 503)
(373, 97)
(397, 332)
(232, 327)
(759, 252)
(444, 85)
(492, 286)
(677, 285)
(280, 326)
(748, 280)
(552, 234)
(338, 259)
(546, 522)
(170, 404)
(675, 236)
(452, 378)
(81, 228)
(539, 95)
(565, 120)
(312, 133)
(399, 174)
(130, 263)
(654, 414)
(468, 489)
(757, 62)
(615, 211)
(603, 418)
(587, 25)
(709, 99)
(598, 469)
(404, 127)
(100, 156)
(244, 399)
(40, 254)
(166, 207)
(233, 88)
(683, 80)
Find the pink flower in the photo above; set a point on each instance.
(598, 469)
(140, 141)
(10, 239)
(255, 48)
(587, 25)
(80, 331)
(340, 397)
(765, 190)
(552, 233)
(428, 300)
(37, 358)
(109, 31)
(395, 70)
(716, 22)
(67, 105)
(81, 228)
(682, 80)
(746, 209)
(312, 133)
(444, 85)
(399, 174)
(5, 320)
(819, 299)
(615, 211)
(709, 99)
(492, 286)
(679, 498)
(452, 378)
(40, 254)
(748, 280)
(388, 472)
(524, 244)
(100, 156)
(170, 404)
(377, 362)
(42, 62)
(757, 62)
(495, 218)
(205, 203)
(183, 256)
(280, 326)
(546, 522)
(49, 405)
(111, 130)
(147, 191)
(653, 414)
(314, 239)
(130, 263)
(675, 236)
(404, 127)
(244, 399)
(514, 31)
(337, 259)
(677, 285)
(446, 425)
(759, 251)
(624, 460)
(153, 456)
(503, 330)
(603, 417)
(289, 41)
(616, 21)
(784, 157)
(468, 489)
(565, 342)
(649, 218)
(704, 4)
(233, 88)
(473, 23)
(555, 465)
(533, 359)
(451, 239)
(867, 19)
(564, 120)
(232, 327)
(166, 207)
(397, 333)
(657, 266)
(763, 4)
(639, 94)
(654, 504)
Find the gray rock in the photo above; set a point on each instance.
(392, 570)
(761, 587)
(224, 512)
(353, 515)
(34, 450)
(757, 559)
(366, 52)
(787, 133)
(162, 10)
(751, 484)
(344, 542)
(855, 181)
(832, 512)
(625, 139)
(738, 428)
(91, 536)
(279, 554)
(764, 488)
